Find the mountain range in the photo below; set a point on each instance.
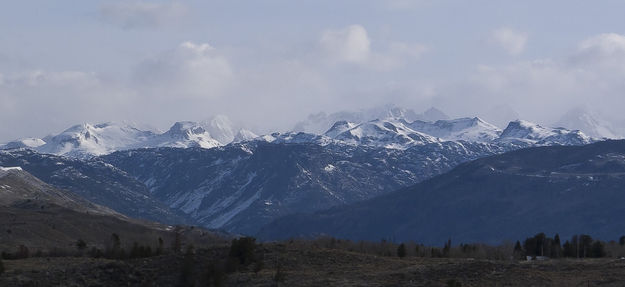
(88, 140)
(185, 175)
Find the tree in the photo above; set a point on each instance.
(447, 248)
(621, 240)
(598, 249)
(1, 267)
(518, 250)
(401, 251)
(585, 245)
(243, 250)
(556, 248)
(568, 250)
(115, 250)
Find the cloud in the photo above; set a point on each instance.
(353, 45)
(142, 14)
(605, 51)
(50, 101)
(189, 71)
(512, 41)
(542, 90)
(350, 44)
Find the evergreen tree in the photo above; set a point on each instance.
(598, 249)
(447, 248)
(621, 240)
(243, 249)
(1, 267)
(568, 250)
(556, 250)
(585, 245)
(518, 250)
(401, 251)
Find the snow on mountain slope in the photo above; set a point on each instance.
(23, 143)
(86, 139)
(380, 133)
(468, 129)
(586, 122)
(321, 122)
(244, 135)
(182, 135)
(339, 128)
(520, 131)
(220, 128)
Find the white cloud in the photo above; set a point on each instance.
(510, 40)
(353, 45)
(49, 101)
(543, 90)
(605, 51)
(139, 14)
(350, 44)
(188, 71)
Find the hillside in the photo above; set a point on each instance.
(40, 217)
(563, 189)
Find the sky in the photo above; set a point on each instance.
(269, 63)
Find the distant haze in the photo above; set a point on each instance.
(267, 65)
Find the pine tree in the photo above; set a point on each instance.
(556, 250)
(401, 251)
(518, 250)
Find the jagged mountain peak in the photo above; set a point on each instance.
(381, 133)
(528, 132)
(244, 135)
(221, 128)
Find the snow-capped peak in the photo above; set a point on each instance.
(380, 133)
(220, 128)
(244, 135)
(321, 122)
(528, 132)
(338, 128)
(184, 134)
(468, 129)
(24, 143)
(86, 139)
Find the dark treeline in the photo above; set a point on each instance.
(579, 246)
(540, 245)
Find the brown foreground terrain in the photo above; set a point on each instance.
(309, 267)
